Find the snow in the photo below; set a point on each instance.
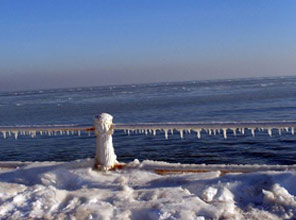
(72, 190)
(105, 156)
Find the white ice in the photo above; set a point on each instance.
(155, 130)
(72, 190)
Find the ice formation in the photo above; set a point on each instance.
(50, 131)
(105, 156)
(214, 128)
(210, 129)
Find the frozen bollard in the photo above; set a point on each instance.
(105, 156)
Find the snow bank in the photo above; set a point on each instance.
(72, 190)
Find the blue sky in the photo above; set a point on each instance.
(56, 43)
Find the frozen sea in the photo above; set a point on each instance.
(216, 100)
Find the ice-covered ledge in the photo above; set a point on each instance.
(105, 157)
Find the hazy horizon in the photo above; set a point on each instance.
(159, 82)
(66, 44)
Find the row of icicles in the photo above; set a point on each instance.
(208, 131)
(33, 133)
(153, 131)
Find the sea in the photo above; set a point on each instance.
(201, 101)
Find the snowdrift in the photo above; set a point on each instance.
(72, 190)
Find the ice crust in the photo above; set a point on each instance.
(72, 190)
(105, 156)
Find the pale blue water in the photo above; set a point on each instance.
(221, 100)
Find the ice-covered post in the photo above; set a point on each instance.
(105, 156)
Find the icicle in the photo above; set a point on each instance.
(154, 132)
(292, 130)
(210, 131)
(33, 134)
(243, 131)
(269, 132)
(215, 131)
(253, 132)
(4, 134)
(128, 132)
(234, 131)
(172, 131)
(280, 131)
(166, 133)
(225, 133)
(189, 131)
(181, 133)
(198, 133)
(287, 129)
(15, 134)
(146, 131)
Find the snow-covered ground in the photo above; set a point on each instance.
(72, 190)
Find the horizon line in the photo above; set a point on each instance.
(148, 83)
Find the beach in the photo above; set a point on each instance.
(72, 190)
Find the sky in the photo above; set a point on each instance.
(70, 43)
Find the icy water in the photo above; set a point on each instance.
(221, 100)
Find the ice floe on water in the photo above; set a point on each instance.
(72, 190)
